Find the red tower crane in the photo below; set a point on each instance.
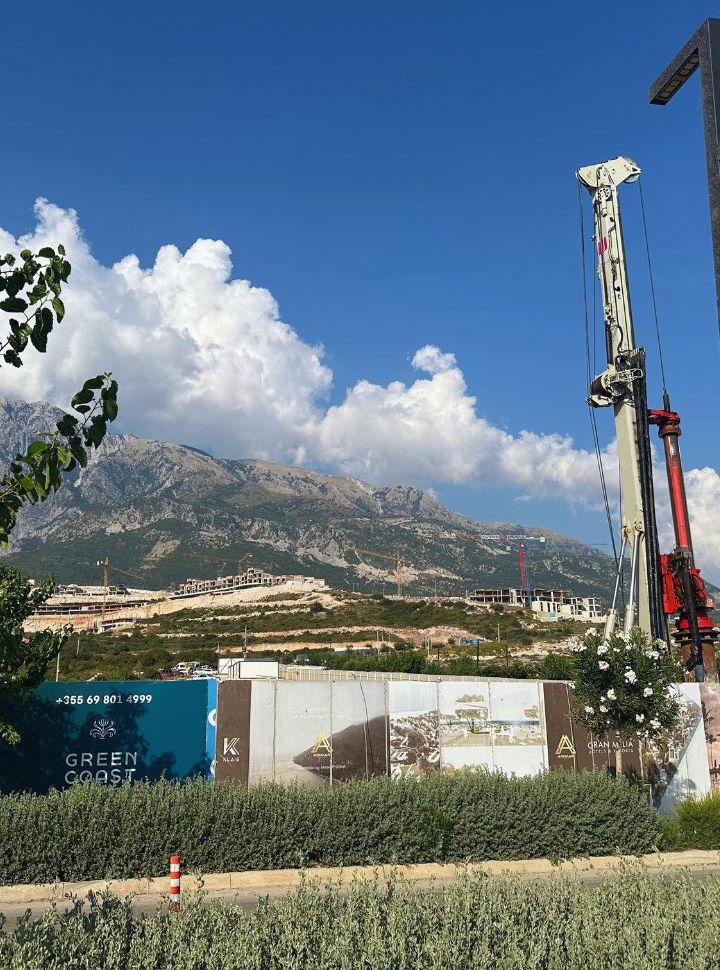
(516, 542)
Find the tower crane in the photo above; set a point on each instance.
(106, 567)
(511, 542)
(659, 585)
(397, 559)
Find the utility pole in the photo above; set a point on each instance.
(245, 643)
(701, 51)
(57, 668)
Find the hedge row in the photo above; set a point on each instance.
(695, 825)
(95, 831)
(631, 922)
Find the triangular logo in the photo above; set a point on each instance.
(322, 745)
(565, 747)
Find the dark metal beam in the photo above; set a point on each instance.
(703, 51)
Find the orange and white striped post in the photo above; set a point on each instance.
(175, 881)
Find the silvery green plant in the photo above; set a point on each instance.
(629, 921)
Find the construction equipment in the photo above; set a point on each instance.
(511, 542)
(106, 567)
(398, 561)
(623, 386)
(683, 589)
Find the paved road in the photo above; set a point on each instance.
(247, 900)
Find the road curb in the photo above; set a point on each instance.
(262, 881)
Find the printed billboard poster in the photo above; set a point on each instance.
(261, 766)
(495, 725)
(302, 731)
(358, 740)
(413, 727)
(671, 772)
(232, 737)
(572, 747)
(107, 731)
(679, 768)
(710, 698)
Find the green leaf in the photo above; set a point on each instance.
(13, 304)
(25, 254)
(38, 338)
(61, 249)
(59, 308)
(110, 409)
(67, 425)
(37, 448)
(82, 397)
(47, 252)
(95, 383)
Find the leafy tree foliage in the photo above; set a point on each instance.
(23, 657)
(31, 289)
(625, 684)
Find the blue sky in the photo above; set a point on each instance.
(396, 174)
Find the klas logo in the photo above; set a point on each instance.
(230, 747)
(565, 748)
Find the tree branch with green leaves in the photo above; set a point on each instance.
(31, 290)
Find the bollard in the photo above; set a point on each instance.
(175, 881)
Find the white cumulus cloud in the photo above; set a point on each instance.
(205, 359)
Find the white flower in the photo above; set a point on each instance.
(577, 647)
(603, 709)
(639, 718)
(603, 648)
(654, 654)
(589, 710)
(571, 684)
(648, 692)
(611, 695)
(592, 632)
(616, 650)
(603, 664)
(655, 723)
(630, 676)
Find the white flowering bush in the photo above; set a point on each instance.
(625, 684)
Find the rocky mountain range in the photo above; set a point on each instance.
(162, 512)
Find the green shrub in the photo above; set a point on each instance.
(695, 825)
(633, 921)
(93, 831)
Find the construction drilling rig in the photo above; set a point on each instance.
(660, 585)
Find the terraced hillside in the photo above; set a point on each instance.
(283, 625)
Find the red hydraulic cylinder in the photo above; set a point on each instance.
(684, 591)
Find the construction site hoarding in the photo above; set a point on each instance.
(109, 732)
(314, 732)
(498, 725)
(670, 771)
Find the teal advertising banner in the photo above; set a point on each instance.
(110, 732)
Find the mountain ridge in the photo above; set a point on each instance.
(165, 511)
